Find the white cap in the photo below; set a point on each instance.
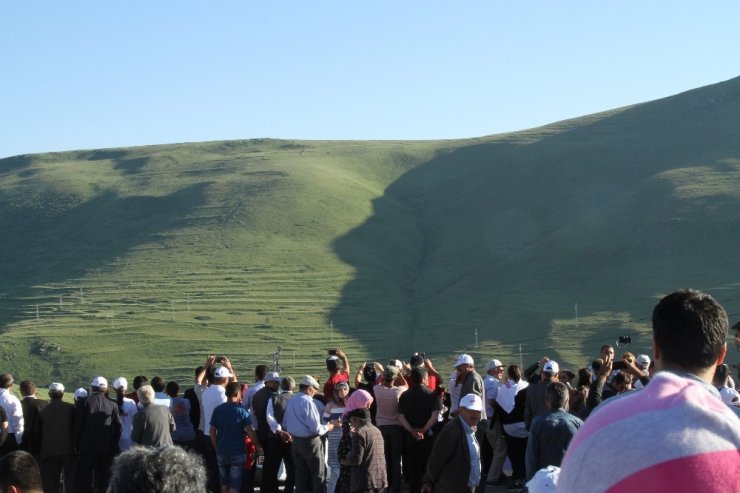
(730, 396)
(472, 402)
(494, 363)
(272, 376)
(100, 382)
(643, 361)
(333, 357)
(120, 383)
(56, 387)
(395, 362)
(222, 372)
(545, 480)
(80, 393)
(551, 367)
(310, 381)
(464, 359)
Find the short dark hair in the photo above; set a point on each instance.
(260, 371)
(198, 370)
(19, 469)
(556, 395)
(172, 388)
(139, 380)
(157, 384)
(166, 469)
(690, 329)
(27, 388)
(418, 373)
(6, 380)
(233, 388)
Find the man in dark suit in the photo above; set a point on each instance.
(31, 441)
(454, 466)
(56, 441)
(97, 430)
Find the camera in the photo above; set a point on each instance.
(332, 352)
(619, 365)
(624, 340)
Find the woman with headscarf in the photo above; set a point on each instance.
(359, 399)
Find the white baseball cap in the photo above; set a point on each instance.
(551, 367)
(56, 387)
(643, 361)
(100, 382)
(222, 372)
(120, 383)
(310, 381)
(544, 480)
(494, 363)
(472, 402)
(80, 393)
(272, 376)
(464, 359)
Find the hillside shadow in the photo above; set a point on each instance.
(503, 237)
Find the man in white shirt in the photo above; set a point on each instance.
(14, 410)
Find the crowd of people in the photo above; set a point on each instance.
(399, 425)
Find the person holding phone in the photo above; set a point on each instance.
(338, 367)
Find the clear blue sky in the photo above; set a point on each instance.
(80, 75)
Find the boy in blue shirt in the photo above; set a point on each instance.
(228, 424)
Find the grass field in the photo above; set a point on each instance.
(554, 240)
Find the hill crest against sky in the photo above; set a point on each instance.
(557, 238)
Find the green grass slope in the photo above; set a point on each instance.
(143, 260)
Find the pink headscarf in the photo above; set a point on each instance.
(357, 400)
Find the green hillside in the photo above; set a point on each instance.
(144, 260)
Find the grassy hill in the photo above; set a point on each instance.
(558, 239)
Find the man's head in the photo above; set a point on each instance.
(419, 375)
(146, 394)
(416, 360)
(550, 370)
(272, 380)
(139, 380)
(287, 384)
(221, 375)
(464, 365)
(260, 371)
(172, 389)
(689, 332)
(332, 364)
(19, 473)
(168, 468)
(607, 352)
(495, 368)
(621, 382)
(99, 384)
(390, 373)
(308, 385)
(233, 391)
(157, 384)
(470, 409)
(6, 381)
(28, 388)
(56, 390)
(556, 396)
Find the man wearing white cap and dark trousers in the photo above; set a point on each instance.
(302, 421)
(56, 441)
(454, 465)
(97, 431)
(535, 403)
(494, 433)
(214, 396)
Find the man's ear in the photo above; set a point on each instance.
(722, 354)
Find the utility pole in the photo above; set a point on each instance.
(476, 339)
(521, 361)
(37, 313)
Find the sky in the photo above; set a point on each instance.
(87, 75)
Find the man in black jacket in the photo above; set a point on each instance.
(31, 441)
(97, 430)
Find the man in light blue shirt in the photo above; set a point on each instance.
(302, 422)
